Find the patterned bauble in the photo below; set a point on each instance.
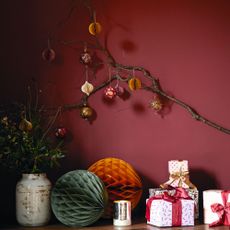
(121, 181)
(110, 92)
(95, 28)
(156, 104)
(60, 132)
(85, 58)
(48, 54)
(134, 83)
(86, 112)
(78, 198)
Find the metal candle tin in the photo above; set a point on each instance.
(122, 213)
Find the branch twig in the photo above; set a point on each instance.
(155, 88)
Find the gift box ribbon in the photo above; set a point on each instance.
(175, 199)
(223, 211)
(181, 178)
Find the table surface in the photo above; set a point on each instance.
(108, 225)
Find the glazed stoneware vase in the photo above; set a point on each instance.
(33, 200)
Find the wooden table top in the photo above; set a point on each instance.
(108, 225)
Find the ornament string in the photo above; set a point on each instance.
(86, 73)
(117, 83)
(48, 43)
(94, 17)
(109, 71)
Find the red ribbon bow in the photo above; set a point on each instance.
(175, 199)
(223, 211)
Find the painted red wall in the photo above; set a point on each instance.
(183, 43)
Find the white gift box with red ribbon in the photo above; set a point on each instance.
(166, 210)
(216, 207)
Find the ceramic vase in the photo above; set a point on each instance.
(33, 200)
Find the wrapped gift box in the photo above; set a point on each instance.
(214, 201)
(179, 175)
(193, 193)
(175, 166)
(162, 213)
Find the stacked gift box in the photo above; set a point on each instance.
(175, 203)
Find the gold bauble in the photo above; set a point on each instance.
(86, 112)
(25, 125)
(134, 83)
(95, 28)
(156, 104)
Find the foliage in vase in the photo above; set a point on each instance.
(25, 146)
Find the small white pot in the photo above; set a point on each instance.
(33, 200)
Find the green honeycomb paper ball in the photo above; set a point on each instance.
(78, 198)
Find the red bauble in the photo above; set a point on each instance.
(60, 132)
(48, 54)
(110, 92)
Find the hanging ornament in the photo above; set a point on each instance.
(110, 92)
(25, 125)
(156, 104)
(86, 112)
(61, 132)
(119, 90)
(94, 27)
(134, 83)
(48, 54)
(87, 87)
(85, 57)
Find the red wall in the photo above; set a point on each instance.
(186, 44)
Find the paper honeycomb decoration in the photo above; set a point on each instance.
(120, 180)
(78, 198)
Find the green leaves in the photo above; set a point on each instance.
(26, 150)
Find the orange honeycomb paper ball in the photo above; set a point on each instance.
(121, 181)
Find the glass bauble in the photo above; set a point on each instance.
(110, 92)
(86, 112)
(60, 132)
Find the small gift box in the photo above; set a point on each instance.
(166, 210)
(179, 175)
(193, 193)
(175, 166)
(216, 205)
